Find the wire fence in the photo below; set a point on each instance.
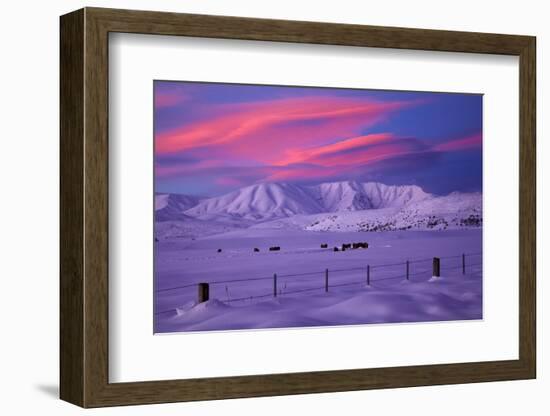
(282, 285)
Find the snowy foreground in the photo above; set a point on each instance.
(227, 259)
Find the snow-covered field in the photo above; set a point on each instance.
(301, 264)
(225, 241)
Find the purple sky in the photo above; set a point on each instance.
(212, 138)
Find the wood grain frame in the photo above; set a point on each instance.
(84, 216)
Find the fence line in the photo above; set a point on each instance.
(372, 266)
(218, 282)
(367, 281)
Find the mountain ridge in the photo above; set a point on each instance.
(172, 206)
(269, 201)
(327, 207)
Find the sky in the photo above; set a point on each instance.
(213, 138)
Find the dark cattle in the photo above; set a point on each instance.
(336, 249)
(344, 246)
(275, 248)
(156, 240)
(360, 245)
(256, 250)
(324, 245)
(219, 250)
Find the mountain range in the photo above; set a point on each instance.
(278, 200)
(329, 206)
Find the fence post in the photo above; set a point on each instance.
(274, 285)
(326, 280)
(463, 263)
(204, 292)
(407, 269)
(436, 268)
(368, 274)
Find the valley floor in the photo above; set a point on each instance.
(242, 280)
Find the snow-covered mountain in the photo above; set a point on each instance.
(334, 206)
(260, 202)
(278, 200)
(172, 206)
(355, 196)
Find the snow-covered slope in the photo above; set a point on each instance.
(170, 207)
(355, 196)
(454, 211)
(260, 202)
(279, 200)
(189, 228)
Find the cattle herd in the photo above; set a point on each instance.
(349, 246)
(345, 246)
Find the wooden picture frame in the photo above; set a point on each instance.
(84, 207)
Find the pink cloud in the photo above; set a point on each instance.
(337, 159)
(290, 139)
(305, 155)
(328, 163)
(365, 156)
(264, 131)
(460, 144)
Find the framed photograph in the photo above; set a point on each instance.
(255, 207)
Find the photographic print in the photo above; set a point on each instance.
(288, 206)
